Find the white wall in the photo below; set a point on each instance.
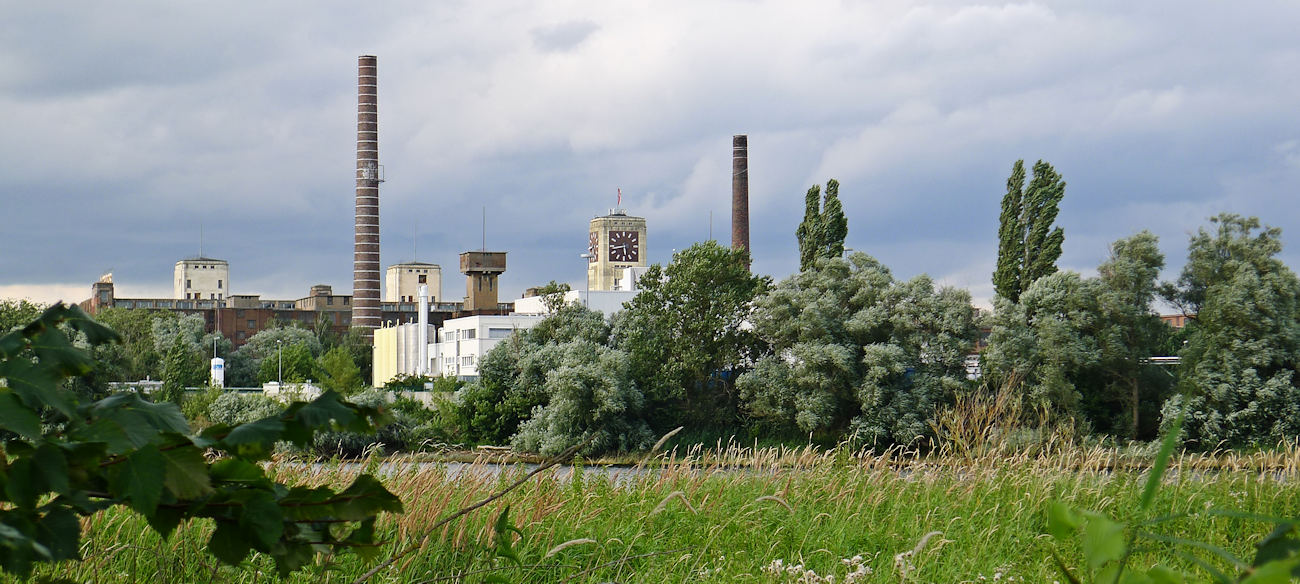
(605, 301)
(208, 278)
(462, 342)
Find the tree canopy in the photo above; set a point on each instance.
(823, 229)
(1238, 379)
(1028, 245)
(853, 351)
(685, 333)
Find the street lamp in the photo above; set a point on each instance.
(279, 356)
(586, 293)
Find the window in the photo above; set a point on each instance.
(187, 283)
(218, 284)
(467, 361)
(424, 279)
(469, 334)
(499, 333)
(252, 324)
(239, 335)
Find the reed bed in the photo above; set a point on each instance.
(735, 513)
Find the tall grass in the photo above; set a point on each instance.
(739, 513)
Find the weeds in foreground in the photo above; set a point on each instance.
(726, 514)
(1108, 546)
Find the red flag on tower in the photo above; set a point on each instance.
(620, 197)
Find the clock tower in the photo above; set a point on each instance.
(614, 242)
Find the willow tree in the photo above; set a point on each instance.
(1028, 245)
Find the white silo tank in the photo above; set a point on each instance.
(218, 372)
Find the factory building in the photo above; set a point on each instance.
(201, 278)
(402, 281)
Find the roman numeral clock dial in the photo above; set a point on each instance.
(623, 246)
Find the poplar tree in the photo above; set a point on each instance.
(824, 227)
(1028, 245)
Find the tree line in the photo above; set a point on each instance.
(840, 351)
(844, 351)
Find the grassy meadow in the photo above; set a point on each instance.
(740, 515)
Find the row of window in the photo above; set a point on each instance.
(189, 285)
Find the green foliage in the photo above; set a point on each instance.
(553, 295)
(1076, 347)
(137, 356)
(197, 406)
(685, 335)
(856, 353)
(1028, 246)
(359, 348)
(410, 426)
(1238, 379)
(234, 408)
(66, 460)
(1045, 345)
(512, 376)
(183, 367)
(824, 227)
(407, 382)
(1129, 332)
(17, 313)
(1108, 545)
(245, 366)
(339, 372)
(294, 364)
(590, 391)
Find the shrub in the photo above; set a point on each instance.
(241, 408)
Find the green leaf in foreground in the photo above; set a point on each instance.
(1103, 541)
(1062, 521)
(187, 472)
(1162, 462)
(228, 543)
(16, 417)
(139, 479)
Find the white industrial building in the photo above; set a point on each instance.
(455, 350)
(462, 342)
(605, 301)
(201, 279)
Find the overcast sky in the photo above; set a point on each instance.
(127, 126)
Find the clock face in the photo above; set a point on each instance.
(593, 248)
(624, 247)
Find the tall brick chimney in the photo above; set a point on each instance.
(365, 250)
(740, 192)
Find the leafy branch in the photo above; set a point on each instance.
(64, 460)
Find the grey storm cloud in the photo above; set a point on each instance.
(130, 127)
